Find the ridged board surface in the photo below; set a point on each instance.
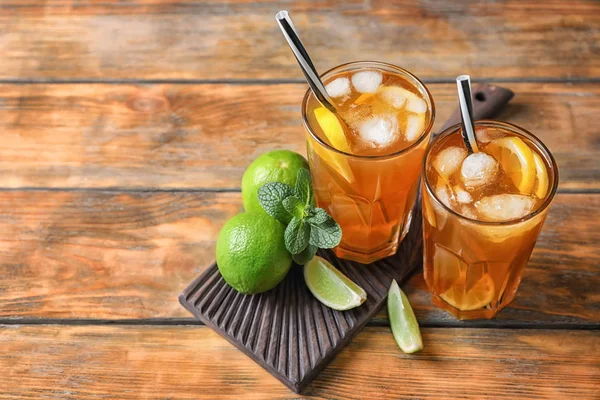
(288, 331)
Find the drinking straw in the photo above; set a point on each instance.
(463, 82)
(310, 72)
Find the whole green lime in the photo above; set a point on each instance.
(274, 166)
(251, 253)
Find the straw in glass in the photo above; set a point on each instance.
(463, 83)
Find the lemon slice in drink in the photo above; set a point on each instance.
(480, 295)
(331, 287)
(516, 159)
(541, 177)
(403, 321)
(333, 130)
(363, 98)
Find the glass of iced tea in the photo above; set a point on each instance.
(482, 214)
(366, 170)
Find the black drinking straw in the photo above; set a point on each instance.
(308, 68)
(463, 83)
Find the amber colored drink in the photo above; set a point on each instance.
(366, 169)
(482, 214)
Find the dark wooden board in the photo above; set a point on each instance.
(287, 330)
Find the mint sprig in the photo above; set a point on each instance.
(308, 228)
(297, 235)
(271, 196)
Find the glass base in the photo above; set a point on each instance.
(482, 313)
(377, 254)
(365, 258)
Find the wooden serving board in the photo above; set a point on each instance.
(287, 330)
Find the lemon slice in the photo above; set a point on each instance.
(447, 268)
(363, 98)
(517, 161)
(403, 322)
(428, 213)
(480, 295)
(331, 287)
(333, 130)
(541, 177)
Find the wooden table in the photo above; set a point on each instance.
(126, 127)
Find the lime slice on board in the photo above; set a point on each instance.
(403, 321)
(331, 287)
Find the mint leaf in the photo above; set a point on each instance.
(326, 235)
(306, 255)
(271, 196)
(303, 189)
(317, 216)
(296, 236)
(294, 206)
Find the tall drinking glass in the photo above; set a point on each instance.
(366, 173)
(482, 215)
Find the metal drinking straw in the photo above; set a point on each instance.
(463, 83)
(310, 72)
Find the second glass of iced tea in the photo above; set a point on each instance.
(482, 214)
(366, 171)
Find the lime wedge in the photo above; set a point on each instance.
(403, 321)
(331, 287)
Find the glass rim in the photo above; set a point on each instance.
(405, 73)
(513, 128)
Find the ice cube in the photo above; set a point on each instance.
(379, 130)
(462, 196)
(468, 212)
(338, 87)
(416, 104)
(504, 207)
(399, 97)
(415, 123)
(394, 96)
(478, 169)
(486, 135)
(448, 161)
(442, 192)
(356, 114)
(367, 81)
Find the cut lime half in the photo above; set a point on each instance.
(403, 321)
(331, 287)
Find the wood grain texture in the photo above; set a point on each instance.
(240, 40)
(103, 255)
(194, 362)
(204, 136)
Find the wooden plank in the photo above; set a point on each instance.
(190, 136)
(128, 256)
(105, 255)
(194, 362)
(240, 39)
